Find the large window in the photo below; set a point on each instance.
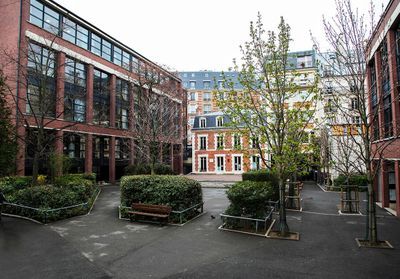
(122, 104)
(44, 17)
(203, 164)
(101, 98)
(374, 102)
(41, 94)
(206, 96)
(304, 61)
(203, 143)
(220, 142)
(206, 108)
(385, 68)
(75, 91)
(237, 142)
(75, 33)
(50, 20)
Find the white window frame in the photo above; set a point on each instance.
(205, 122)
(216, 141)
(199, 163)
(217, 122)
(241, 163)
(199, 142)
(240, 140)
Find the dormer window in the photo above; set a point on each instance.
(203, 122)
(220, 121)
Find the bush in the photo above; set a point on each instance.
(176, 191)
(354, 179)
(11, 183)
(139, 169)
(250, 198)
(261, 176)
(67, 190)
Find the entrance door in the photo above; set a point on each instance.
(237, 161)
(255, 162)
(220, 164)
(203, 164)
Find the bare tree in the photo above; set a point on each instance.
(36, 112)
(345, 67)
(157, 114)
(273, 105)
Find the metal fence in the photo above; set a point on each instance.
(46, 215)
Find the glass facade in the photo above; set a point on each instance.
(101, 98)
(122, 104)
(74, 91)
(47, 18)
(44, 17)
(41, 96)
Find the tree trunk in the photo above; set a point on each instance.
(372, 232)
(35, 167)
(283, 227)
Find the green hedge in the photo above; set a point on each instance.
(66, 191)
(139, 169)
(250, 198)
(176, 191)
(354, 179)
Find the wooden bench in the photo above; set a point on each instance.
(160, 212)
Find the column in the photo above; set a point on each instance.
(59, 148)
(111, 163)
(89, 95)
(385, 184)
(20, 160)
(60, 85)
(89, 153)
(113, 81)
(397, 178)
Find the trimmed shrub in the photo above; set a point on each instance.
(140, 169)
(250, 198)
(176, 191)
(261, 176)
(354, 179)
(67, 191)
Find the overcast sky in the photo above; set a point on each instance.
(198, 35)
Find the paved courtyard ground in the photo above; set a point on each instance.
(101, 246)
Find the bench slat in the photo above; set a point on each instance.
(148, 214)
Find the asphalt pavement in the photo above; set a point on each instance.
(100, 245)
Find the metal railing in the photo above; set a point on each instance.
(190, 212)
(243, 222)
(46, 215)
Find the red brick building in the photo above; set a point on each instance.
(218, 149)
(93, 73)
(383, 74)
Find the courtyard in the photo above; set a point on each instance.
(99, 245)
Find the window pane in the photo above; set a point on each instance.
(96, 44)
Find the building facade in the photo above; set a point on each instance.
(91, 84)
(383, 79)
(200, 86)
(217, 149)
(341, 145)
